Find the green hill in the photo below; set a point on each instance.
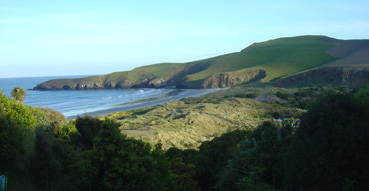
(264, 61)
(278, 57)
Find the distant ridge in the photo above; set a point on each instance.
(265, 62)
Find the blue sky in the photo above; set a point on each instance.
(56, 38)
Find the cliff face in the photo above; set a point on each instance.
(221, 80)
(353, 77)
(224, 80)
(92, 84)
(145, 77)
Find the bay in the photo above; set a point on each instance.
(72, 103)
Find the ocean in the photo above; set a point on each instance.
(72, 103)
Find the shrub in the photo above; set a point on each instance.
(282, 95)
(251, 96)
(329, 151)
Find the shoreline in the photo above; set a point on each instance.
(119, 107)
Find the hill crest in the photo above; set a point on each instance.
(264, 61)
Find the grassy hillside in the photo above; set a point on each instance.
(164, 70)
(279, 57)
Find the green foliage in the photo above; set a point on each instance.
(88, 128)
(45, 166)
(329, 150)
(19, 93)
(361, 100)
(130, 113)
(282, 95)
(258, 165)
(209, 161)
(30, 117)
(191, 100)
(253, 181)
(183, 175)
(214, 155)
(25, 115)
(66, 131)
(305, 93)
(15, 144)
(116, 162)
(55, 118)
(304, 104)
(242, 95)
(238, 160)
(11, 136)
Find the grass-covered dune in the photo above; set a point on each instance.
(264, 61)
(191, 121)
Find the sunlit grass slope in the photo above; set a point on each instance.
(188, 123)
(278, 57)
(163, 70)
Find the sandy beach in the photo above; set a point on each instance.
(147, 103)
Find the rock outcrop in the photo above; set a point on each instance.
(138, 78)
(75, 84)
(229, 79)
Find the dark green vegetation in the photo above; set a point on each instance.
(248, 137)
(329, 150)
(40, 150)
(275, 61)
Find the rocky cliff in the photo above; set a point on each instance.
(229, 79)
(221, 80)
(85, 84)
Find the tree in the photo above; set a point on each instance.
(116, 162)
(88, 128)
(329, 150)
(45, 166)
(11, 137)
(258, 165)
(214, 155)
(19, 93)
(183, 174)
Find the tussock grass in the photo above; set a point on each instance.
(187, 124)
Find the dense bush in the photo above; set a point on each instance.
(25, 115)
(282, 95)
(31, 117)
(41, 151)
(88, 128)
(329, 151)
(45, 166)
(11, 136)
(242, 95)
(119, 163)
(258, 165)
